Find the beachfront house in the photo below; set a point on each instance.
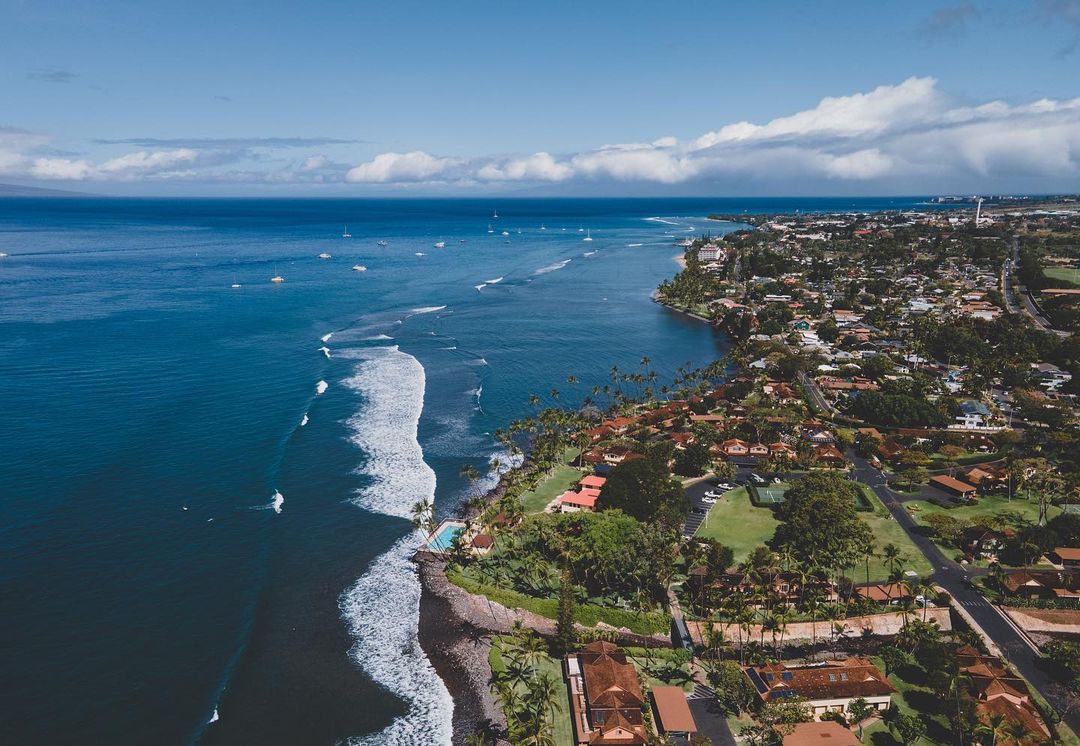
(605, 697)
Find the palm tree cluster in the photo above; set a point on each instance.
(531, 698)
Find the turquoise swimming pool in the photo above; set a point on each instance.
(444, 537)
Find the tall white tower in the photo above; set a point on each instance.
(978, 210)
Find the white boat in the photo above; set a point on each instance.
(496, 215)
(277, 278)
(383, 243)
(440, 244)
(359, 268)
(2, 254)
(543, 227)
(490, 229)
(506, 233)
(324, 255)
(236, 284)
(588, 236)
(580, 229)
(346, 234)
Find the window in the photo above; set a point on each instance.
(832, 677)
(843, 677)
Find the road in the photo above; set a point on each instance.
(955, 578)
(815, 393)
(1026, 300)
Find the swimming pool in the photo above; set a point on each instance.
(444, 537)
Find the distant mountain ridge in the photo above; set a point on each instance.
(17, 190)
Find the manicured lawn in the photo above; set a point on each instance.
(558, 482)
(888, 531)
(984, 507)
(564, 728)
(734, 521)
(1068, 275)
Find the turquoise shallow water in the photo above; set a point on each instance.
(194, 543)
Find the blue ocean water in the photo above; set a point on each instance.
(195, 544)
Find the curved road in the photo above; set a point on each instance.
(955, 578)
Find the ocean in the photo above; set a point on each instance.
(205, 489)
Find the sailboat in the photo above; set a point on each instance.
(580, 229)
(383, 243)
(359, 268)
(496, 215)
(490, 229)
(588, 236)
(277, 279)
(346, 234)
(324, 255)
(543, 227)
(440, 244)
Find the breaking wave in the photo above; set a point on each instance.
(426, 309)
(326, 337)
(321, 387)
(277, 502)
(392, 384)
(552, 267)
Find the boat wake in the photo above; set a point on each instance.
(378, 338)
(426, 309)
(392, 385)
(326, 337)
(326, 351)
(588, 253)
(552, 267)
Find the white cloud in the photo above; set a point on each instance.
(907, 136)
(402, 167)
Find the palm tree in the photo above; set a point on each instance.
(996, 726)
(893, 560)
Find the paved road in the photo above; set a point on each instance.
(955, 578)
(1026, 299)
(815, 393)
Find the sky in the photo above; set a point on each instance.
(142, 97)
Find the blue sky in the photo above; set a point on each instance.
(556, 97)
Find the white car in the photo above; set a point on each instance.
(725, 486)
(709, 500)
(756, 478)
(713, 494)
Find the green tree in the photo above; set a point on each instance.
(644, 489)
(565, 636)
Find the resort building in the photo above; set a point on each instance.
(827, 687)
(954, 486)
(605, 697)
(999, 692)
(823, 733)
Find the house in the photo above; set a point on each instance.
(758, 450)
(592, 482)
(830, 455)
(1041, 584)
(1067, 557)
(999, 692)
(884, 593)
(673, 716)
(735, 447)
(822, 733)
(573, 502)
(973, 415)
(605, 696)
(827, 687)
(482, 544)
(953, 486)
(781, 450)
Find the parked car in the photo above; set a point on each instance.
(758, 478)
(701, 511)
(708, 500)
(713, 494)
(725, 486)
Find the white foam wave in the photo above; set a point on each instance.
(391, 652)
(481, 286)
(661, 220)
(214, 718)
(377, 338)
(634, 245)
(326, 351)
(326, 337)
(552, 267)
(588, 253)
(321, 387)
(392, 384)
(454, 347)
(477, 361)
(277, 501)
(494, 282)
(426, 309)
(304, 421)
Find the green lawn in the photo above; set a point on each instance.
(1068, 275)
(564, 728)
(734, 521)
(558, 481)
(984, 507)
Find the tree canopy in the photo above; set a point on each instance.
(644, 489)
(820, 524)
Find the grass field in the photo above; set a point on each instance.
(1068, 275)
(558, 482)
(734, 521)
(983, 508)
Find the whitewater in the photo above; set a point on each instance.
(391, 384)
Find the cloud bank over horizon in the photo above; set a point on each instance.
(908, 136)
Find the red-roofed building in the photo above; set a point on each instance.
(572, 502)
(605, 697)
